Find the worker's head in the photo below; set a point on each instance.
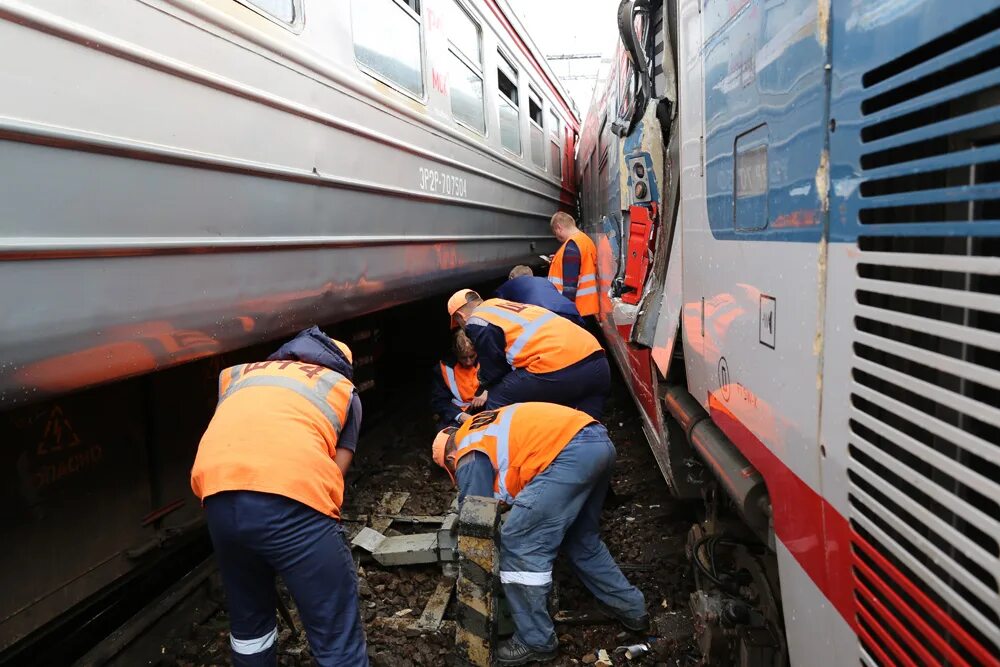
(563, 226)
(443, 450)
(464, 351)
(461, 304)
(520, 270)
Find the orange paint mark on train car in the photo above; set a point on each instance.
(435, 21)
(805, 218)
(439, 81)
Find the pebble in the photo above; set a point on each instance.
(589, 659)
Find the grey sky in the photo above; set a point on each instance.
(571, 26)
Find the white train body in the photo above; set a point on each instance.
(821, 279)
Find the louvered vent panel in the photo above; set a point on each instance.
(924, 447)
(659, 80)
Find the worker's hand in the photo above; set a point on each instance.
(463, 417)
(480, 401)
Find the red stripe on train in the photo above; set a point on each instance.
(810, 528)
(820, 539)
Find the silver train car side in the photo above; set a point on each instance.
(179, 178)
(184, 178)
(796, 205)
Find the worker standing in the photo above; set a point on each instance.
(270, 473)
(523, 286)
(552, 465)
(455, 383)
(527, 353)
(574, 267)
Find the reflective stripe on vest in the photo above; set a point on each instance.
(528, 328)
(449, 376)
(315, 394)
(500, 430)
(556, 281)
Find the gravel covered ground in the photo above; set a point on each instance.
(644, 529)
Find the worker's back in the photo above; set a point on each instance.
(537, 339)
(275, 430)
(541, 292)
(521, 439)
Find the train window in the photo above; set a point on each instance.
(464, 33)
(283, 10)
(602, 140)
(556, 159)
(466, 70)
(537, 133)
(387, 41)
(510, 117)
(554, 131)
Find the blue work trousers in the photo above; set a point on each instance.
(561, 508)
(583, 386)
(258, 535)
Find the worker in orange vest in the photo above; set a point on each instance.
(552, 465)
(455, 383)
(270, 474)
(527, 353)
(574, 267)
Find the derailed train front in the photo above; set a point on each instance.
(797, 211)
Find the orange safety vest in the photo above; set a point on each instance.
(275, 430)
(521, 440)
(537, 340)
(586, 284)
(462, 382)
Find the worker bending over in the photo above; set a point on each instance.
(527, 353)
(552, 465)
(270, 473)
(455, 383)
(574, 267)
(524, 287)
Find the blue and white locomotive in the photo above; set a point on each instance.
(797, 209)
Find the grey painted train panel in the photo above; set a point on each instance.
(169, 192)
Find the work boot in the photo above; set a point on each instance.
(513, 652)
(633, 623)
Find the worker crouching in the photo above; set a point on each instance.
(552, 465)
(455, 384)
(270, 473)
(527, 353)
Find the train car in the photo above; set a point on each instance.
(185, 177)
(182, 179)
(796, 210)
